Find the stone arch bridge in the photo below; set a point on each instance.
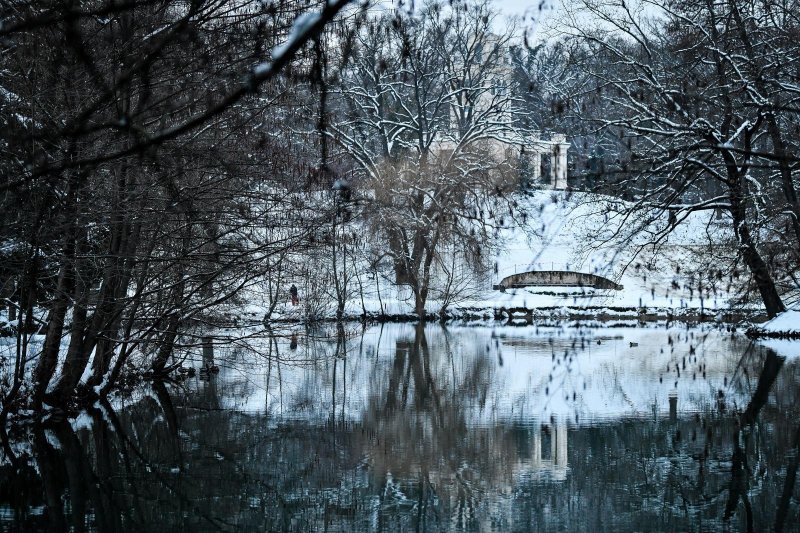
(556, 278)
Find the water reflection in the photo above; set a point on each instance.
(409, 427)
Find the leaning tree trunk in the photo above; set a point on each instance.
(56, 317)
(66, 280)
(170, 334)
(75, 354)
(108, 318)
(752, 258)
(100, 368)
(55, 328)
(97, 333)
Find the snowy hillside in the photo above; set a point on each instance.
(569, 235)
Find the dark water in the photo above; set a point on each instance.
(400, 428)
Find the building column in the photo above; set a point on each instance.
(558, 163)
(536, 163)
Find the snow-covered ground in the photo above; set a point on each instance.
(574, 235)
(572, 232)
(782, 332)
(786, 322)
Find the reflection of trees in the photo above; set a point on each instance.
(120, 474)
(782, 512)
(747, 449)
(417, 458)
(716, 463)
(83, 469)
(658, 474)
(430, 448)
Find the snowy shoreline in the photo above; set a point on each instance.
(516, 314)
(785, 326)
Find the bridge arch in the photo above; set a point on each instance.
(556, 278)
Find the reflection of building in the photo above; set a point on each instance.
(546, 460)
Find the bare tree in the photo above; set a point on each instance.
(678, 86)
(135, 200)
(424, 110)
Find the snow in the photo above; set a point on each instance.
(262, 69)
(790, 349)
(301, 26)
(8, 95)
(87, 371)
(787, 322)
(52, 439)
(566, 231)
(781, 334)
(83, 421)
(155, 32)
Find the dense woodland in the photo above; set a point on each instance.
(159, 159)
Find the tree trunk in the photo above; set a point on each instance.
(785, 169)
(340, 283)
(167, 343)
(96, 333)
(766, 286)
(429, 251)
(55, 328)
(75, 360)
(58, 309)
(419, 304)
(99, 368)
(758, 268)
(107, 322)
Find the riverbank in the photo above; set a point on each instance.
(513, 315)
(671, 282)
(785, 326)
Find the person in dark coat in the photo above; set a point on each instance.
(293, 294)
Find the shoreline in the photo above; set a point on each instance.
(512, 315)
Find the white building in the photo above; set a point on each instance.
(482, 100)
